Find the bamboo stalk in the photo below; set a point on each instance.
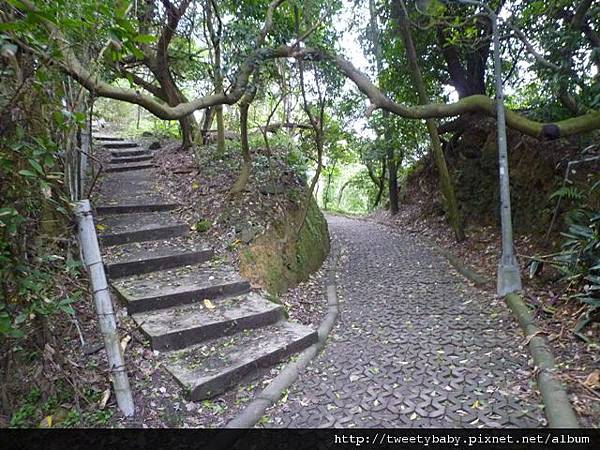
(86, 138)
(104, 309)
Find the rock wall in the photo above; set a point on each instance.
(276, 261)
(536, 171)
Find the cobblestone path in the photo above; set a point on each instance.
(414, 346)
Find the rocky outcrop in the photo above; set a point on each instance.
(278, 259)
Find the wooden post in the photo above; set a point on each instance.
(104, 309)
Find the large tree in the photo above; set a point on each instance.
(151, 65)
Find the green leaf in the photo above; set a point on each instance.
(8, 212)
(58, 117)
(137, 52)
(144, 38)
(79, 117)
(27, 173)
(11, 26)
(36, 165)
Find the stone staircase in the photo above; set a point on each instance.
(214, 331)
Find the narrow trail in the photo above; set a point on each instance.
(415, 346)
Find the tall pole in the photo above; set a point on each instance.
(509, 276)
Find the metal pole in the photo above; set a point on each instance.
(509, 276)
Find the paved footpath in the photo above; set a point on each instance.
(414, 346)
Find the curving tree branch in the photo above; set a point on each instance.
(475, 103)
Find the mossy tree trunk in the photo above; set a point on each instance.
(444, 177)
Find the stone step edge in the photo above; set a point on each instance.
(136, 208)
(182, 296)
(127, 153)
(108, 138)
(128, 167)
(230, 376)
(151, 234)
(126, 268)
(130, 159)
(119, 145)
(180, 337)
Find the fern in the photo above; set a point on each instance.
(569, 193)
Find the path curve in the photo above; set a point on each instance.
(415, 345)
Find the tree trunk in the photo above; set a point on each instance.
(220, 130)
(219, 108)
(187, 132)
(215, 38)
(244, 176)
(378, 181)
(207, 120)
(381, 183)
(468, 77)
(392, 180)
(173, 96)
(392, 169)
(242, 180)
(341, 193)
(445, 182)
(328, 188)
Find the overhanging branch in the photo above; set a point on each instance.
(475, 103)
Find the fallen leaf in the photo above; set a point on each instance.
(104, 399)
(593, 380)
(124, 342)
(209, 304)
(46, 422)
(476, 405)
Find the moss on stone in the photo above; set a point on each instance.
(277, 260)
(203, 225)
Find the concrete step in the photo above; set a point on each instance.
(150, 256)
(104, 137)
(131, 159)
(208, 369)
(125, 228)
(180, 327)
(129, 188)
(119, 144)
(136, 208)
(132, 152)
(128, 167)
(179, 286)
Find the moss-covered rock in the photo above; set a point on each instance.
(276, 260)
